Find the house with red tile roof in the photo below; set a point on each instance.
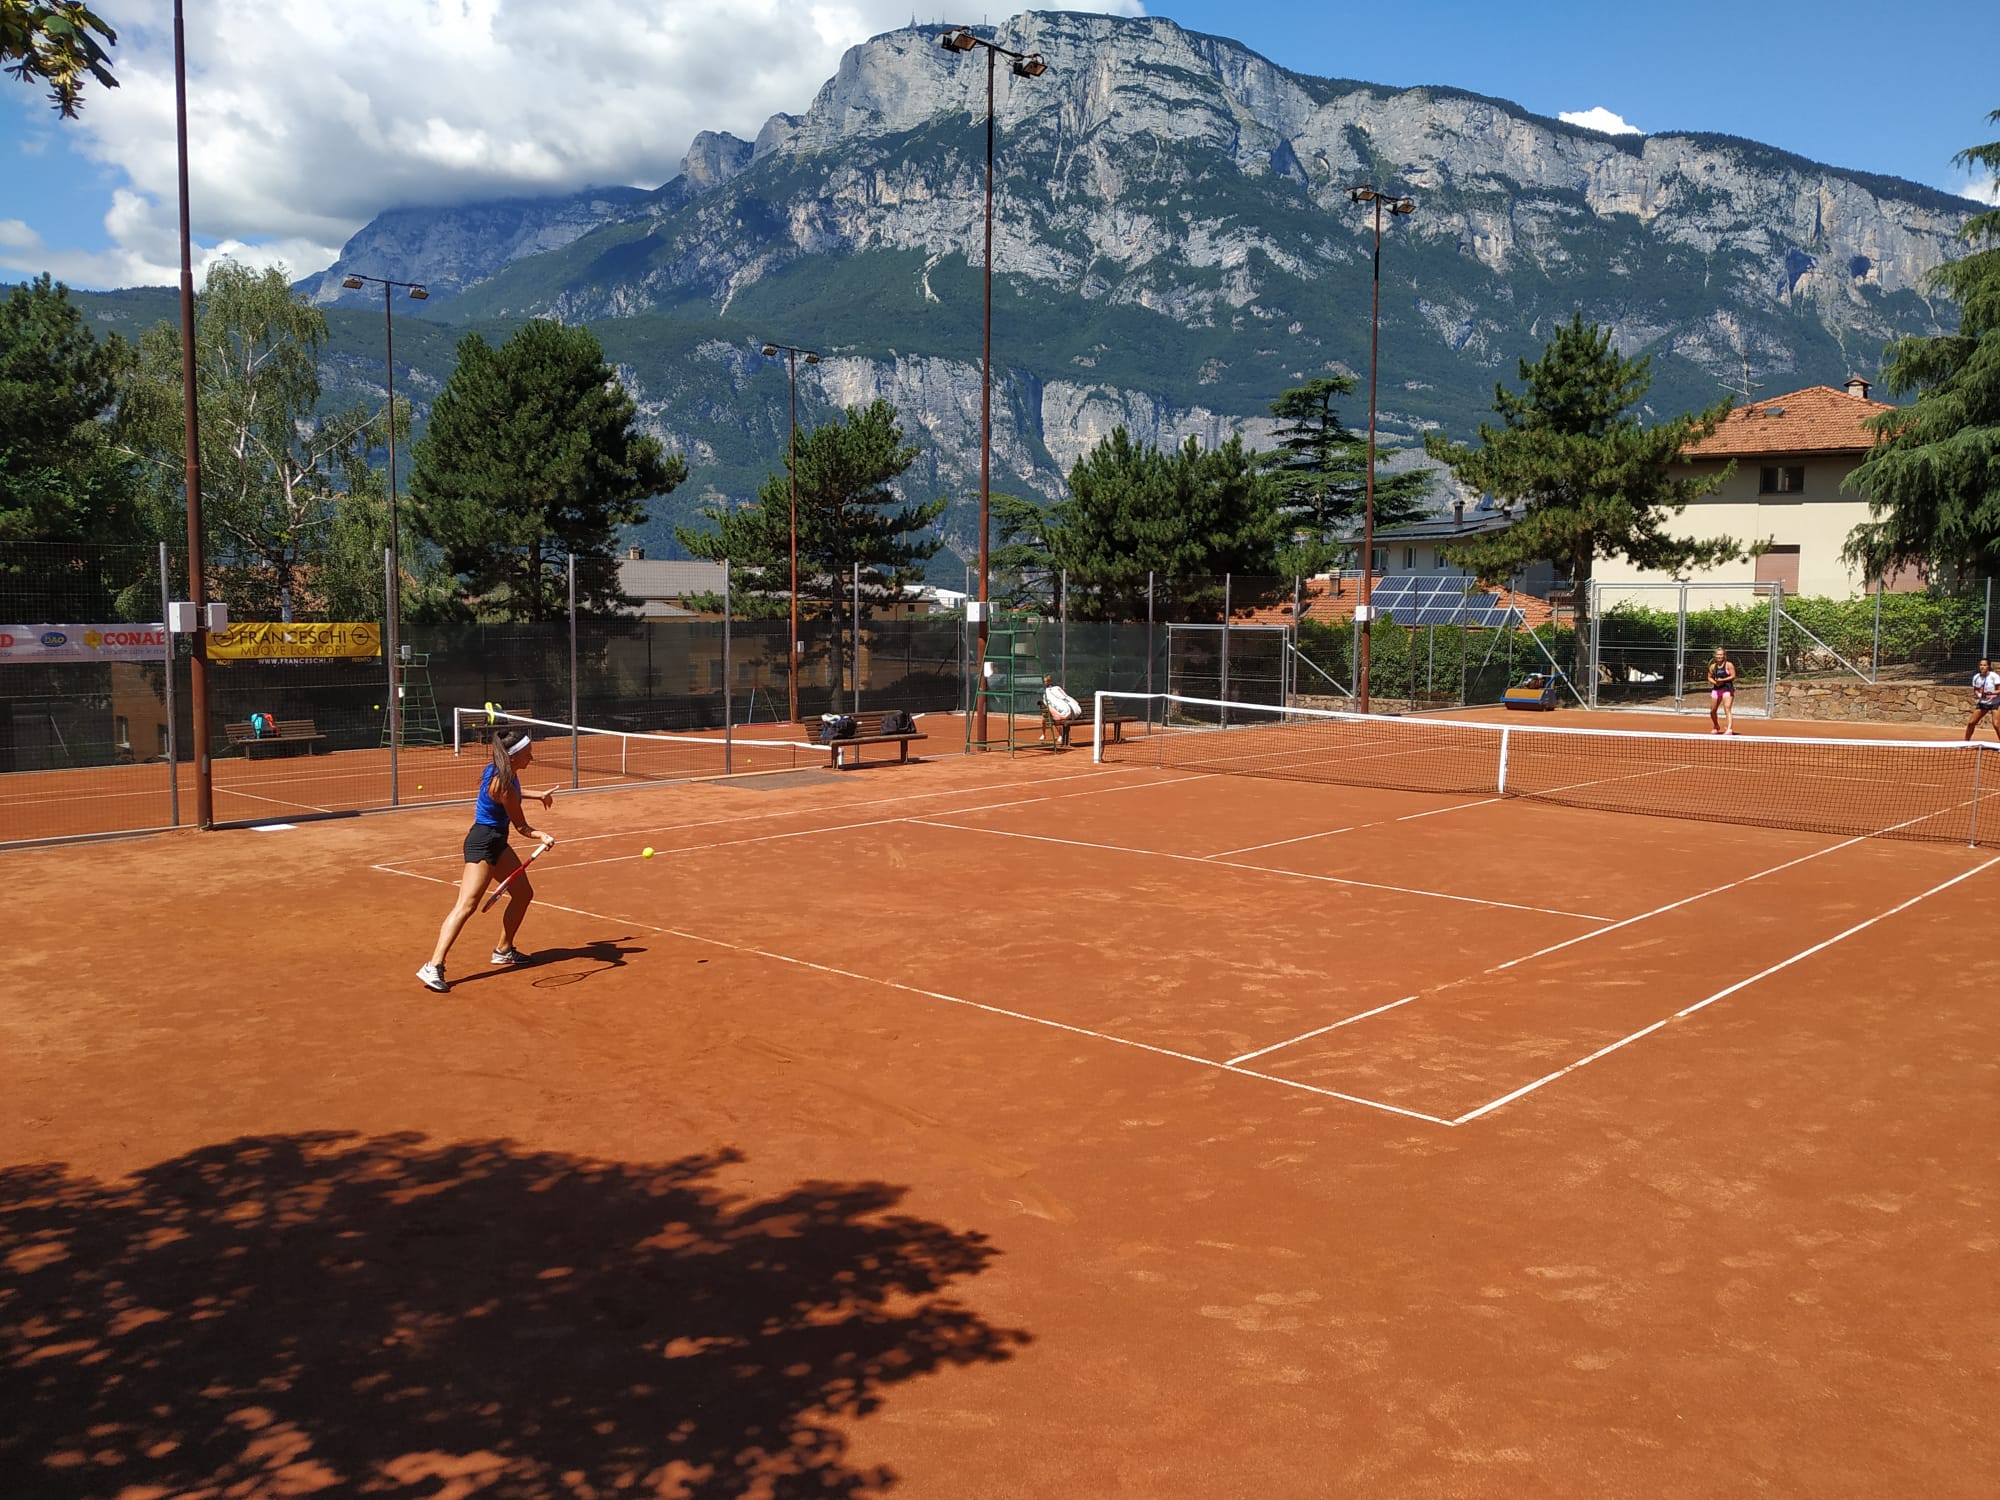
(1792, 453)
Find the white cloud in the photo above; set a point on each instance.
(1981, 189)
(1600, 119)
(15, 235)
(306, 119)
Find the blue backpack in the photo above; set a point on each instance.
(260, 725)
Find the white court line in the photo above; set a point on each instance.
(994, 1010)
(1354, 827)
(1196, 859)
(840, 807)
(1722, 994)
(290, 802)
(1321, 1031)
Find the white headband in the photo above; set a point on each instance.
(519, 745)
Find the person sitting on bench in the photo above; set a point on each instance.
(1063, 710)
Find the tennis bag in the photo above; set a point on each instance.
(836, 727)
(898, 721)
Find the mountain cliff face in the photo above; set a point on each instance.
(1173, 245)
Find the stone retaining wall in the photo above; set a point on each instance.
(1876, 703)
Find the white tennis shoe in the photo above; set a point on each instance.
(432, 976)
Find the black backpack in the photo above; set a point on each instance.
(898, 721)
(836, 727)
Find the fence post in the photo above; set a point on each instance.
(1771, 651)
(1875, 651)
(575, 731)
(1149, 632)
(394, 702)
(1681, 647)
(729, 679)
(173, 722)
(857, 639)
(1986, 625)
(1224, 693)
(1594, 647)
(1063, 637)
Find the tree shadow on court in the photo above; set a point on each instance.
(334, 1313)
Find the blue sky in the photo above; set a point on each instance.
(306, 124)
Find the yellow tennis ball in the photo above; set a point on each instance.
(647, 852)
(420, 786)
(378, 705)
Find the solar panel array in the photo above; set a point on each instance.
(1435, 600)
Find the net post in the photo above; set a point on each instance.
(1149, 632)
(173, 722)
(1771, 651)
(1506, 740)
(1681, 648)
(457, 733)
(1224, 694)
(1978, 754)
(1097, 728)
(729, 719)
(575, 734)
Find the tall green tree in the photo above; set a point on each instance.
(61, 476)
(57, 42)
(1322, 472)
(1933, 481)
(531, 458)
(850, 512)
(1594, 481)
(1179, 518)
(286, 486)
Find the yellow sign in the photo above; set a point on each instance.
(265, 640)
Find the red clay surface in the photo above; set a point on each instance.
(1005, 1128)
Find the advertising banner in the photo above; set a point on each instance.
(275, 640)
(34, 644)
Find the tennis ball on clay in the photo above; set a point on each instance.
(647, 852)
(420, 786)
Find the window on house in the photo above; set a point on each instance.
(124, 732)
(1779, 564)
(1779, 479)
(163, 737)
(1380, 558)
(715, 673)
(1442, 564)
(1409, 559)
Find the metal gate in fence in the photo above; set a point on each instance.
(1230, 663)
(1638, 662)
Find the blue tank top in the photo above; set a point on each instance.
(489, 811)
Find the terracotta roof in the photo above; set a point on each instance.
(1818, 419)
(1320, 603)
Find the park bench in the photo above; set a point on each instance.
(1114, 724)
(866, 736)
(289, 733)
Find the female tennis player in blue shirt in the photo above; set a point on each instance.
(1722, 693)
(489, 857)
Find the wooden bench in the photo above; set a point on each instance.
(290, 732)
(865, 736)
(1114, 723)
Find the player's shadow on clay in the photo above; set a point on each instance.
(552, 968)
(395, 1316)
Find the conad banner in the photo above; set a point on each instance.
(39, 643)
(274, 640)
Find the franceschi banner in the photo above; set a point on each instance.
(267, 640)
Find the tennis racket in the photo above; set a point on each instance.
(494, 894)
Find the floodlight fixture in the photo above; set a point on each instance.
(961, 40)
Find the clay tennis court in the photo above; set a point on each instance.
(994, 1127)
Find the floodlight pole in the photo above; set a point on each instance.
(1368, 193)
(204, 786)
(394, 603)
(792, 646)
(1025, 65)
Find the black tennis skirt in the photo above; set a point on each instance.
(484, 844)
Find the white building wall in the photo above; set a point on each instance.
(1816, 519)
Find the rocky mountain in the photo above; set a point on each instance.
(1173, 245)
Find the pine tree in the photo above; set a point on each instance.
(1594, 481)
(530, 459)
(1933, 483)
(849, 512)
(1322, 471)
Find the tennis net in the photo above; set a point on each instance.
(614, 755)
(1939, 790)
